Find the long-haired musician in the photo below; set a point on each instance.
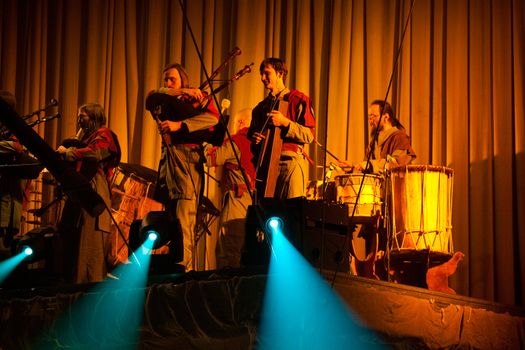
(85, 238)
(181, 171)
(392, 145)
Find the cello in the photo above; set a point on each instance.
(267, 167)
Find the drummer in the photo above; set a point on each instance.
(390, 147)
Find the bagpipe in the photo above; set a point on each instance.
(179, 108)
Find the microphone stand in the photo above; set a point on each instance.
(222, 120)
(41, 211)
(45, 119)
(215, 99)
(375, 136)
(74, 184)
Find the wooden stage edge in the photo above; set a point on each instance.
(221, 309)
(438, 320)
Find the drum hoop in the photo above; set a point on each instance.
(422, 168)
(374, 176)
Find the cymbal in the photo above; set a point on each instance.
(144, 173)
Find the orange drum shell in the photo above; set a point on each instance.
(422, 207)
(371, 196)
(130, 201)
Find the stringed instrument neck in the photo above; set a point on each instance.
(267, 170)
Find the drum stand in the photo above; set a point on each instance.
(58, 197)
(207, 213)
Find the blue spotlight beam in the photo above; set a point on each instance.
(301, 311)
(109, 316)
(7, 266)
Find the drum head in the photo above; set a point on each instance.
(147, 174)
(364, 242)
(422, 168)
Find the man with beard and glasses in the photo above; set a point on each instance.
(389, 148)
(392, 145)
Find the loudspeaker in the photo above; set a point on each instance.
(316, 229)
(162, 260)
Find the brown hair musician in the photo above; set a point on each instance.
(392, 146)
(180, 177)
(296, 127)
(85, 238)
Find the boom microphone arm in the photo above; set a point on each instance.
(74, 184)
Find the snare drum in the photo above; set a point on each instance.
(421, 208)
(370, 201)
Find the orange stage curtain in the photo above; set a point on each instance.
(458, 88)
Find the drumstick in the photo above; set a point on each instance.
(327, 151)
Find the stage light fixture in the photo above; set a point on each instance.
(274, 224)
(33, 246)
(157, 229)
(27, 250)
(153, 235)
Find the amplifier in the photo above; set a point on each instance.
(317, 229)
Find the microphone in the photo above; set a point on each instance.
(225, 104)
(45, 119)
(51, 117)
(334, 166)
(331, 168)
(52, 103)
(328, 174)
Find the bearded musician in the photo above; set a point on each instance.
(181, 171)
(85, 238)
(390, 146)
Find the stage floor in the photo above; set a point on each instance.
(222, 309)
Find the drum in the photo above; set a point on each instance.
(421, 208)
(132, 189)
(370, 201)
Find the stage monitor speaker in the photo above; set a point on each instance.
(163, 261)
(317, 232)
